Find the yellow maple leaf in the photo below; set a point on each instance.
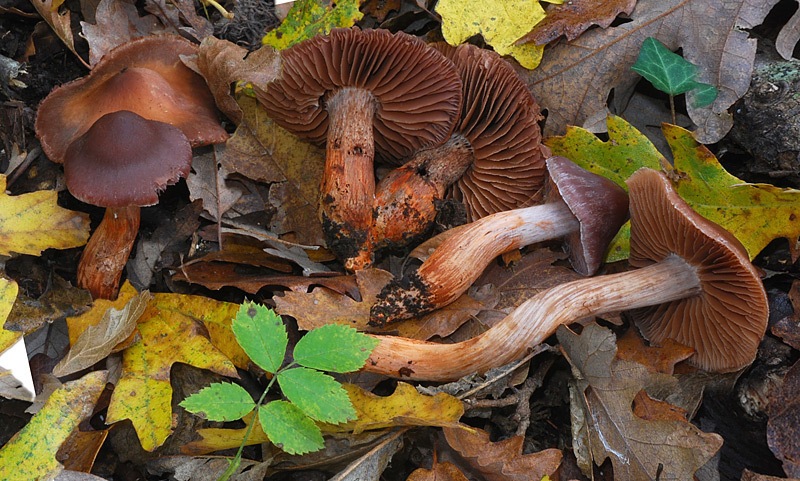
(31, 453)
(169, 333)
(33, 222)
(500, 22)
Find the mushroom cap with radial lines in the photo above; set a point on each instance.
(417, 89)
(727, 320)
(144, 75)
(499, 117)
(125, 159)
(600, 205)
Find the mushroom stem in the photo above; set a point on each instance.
(405, 200)
(348, 184)
(534, 321)
(107, 251)
(462, 258)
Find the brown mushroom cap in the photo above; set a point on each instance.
(125, 159)
(417, 90)
(500, 119)
(145, 76)
(599, 204)
(726, 321)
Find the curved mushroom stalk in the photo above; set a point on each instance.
(532, 322)
(107, 252)
(695, 277)
(584, 209)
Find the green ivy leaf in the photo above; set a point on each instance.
(671, 73)
(223, 401)
(289, 429)
(308, 18)
(318, 395)
(262, 335)
(334, 348)
(704, 95)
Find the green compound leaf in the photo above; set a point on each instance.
(334, 348)
(289, 429)
(318, 395)
(262, 335)
(221, 401)
(308, 18)
(671, 73)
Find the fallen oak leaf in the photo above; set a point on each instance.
(573, 18)
(501, 460)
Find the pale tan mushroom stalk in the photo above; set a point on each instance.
(699, 285)
(585, 209)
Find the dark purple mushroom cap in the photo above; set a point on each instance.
(726, 321)
(144, 75)
(417, 89)
(125, 159)
(599, 204)
(499, 117)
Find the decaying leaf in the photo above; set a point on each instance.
(604, 422)
(574, 79)
(33, 222)
(662, 358)
(308, 18)
(573, 18)
(98, 341)
(207, 182)
(60, 23)
(754, 213)
(500, 22)
(788, 37)
(31, 453)
(439, 472)
(783, 430)
(501, 460)
(61, 299)
(169, 334)
(116, 23)
(263, 151)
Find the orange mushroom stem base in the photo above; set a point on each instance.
(406, 199)
(534, 321)
(105, 255)
(348, 182)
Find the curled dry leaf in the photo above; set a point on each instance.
(573, 18)
(115, 23)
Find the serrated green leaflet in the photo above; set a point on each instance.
(262, 335)
(289, 429)
(318, 395)
(222, 401)
(334, 348)
(666, 70)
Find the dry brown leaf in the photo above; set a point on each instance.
(631, 347)
(223, 63)
(208, 183)
(117, 22)
(502, 460)
(575, 78)
(59, 22)
(788, 37)
(440, 472)
(573, 18)
(748, 475)
(605, 425)
(783, 427)
(181, 16)
(262, 151)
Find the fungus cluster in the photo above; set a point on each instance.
(694, 284)
(125, 132)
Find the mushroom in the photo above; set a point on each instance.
(695, 285)
(585, 209)
(144, 75)
(361, 93)
(494, 158)
(121, 163)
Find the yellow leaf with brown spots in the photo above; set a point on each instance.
(169, 333)
(77, 324)
(31, 453)
(8, 292)
(33, 222)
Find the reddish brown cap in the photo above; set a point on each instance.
(499, 117)
(726, 321)
(125, 159)
(417, 89)
(145, 76)
(599, 204)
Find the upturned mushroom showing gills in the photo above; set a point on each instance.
(583, 208)
(362, 93)
(121, 163)
(494, 159)
(694, 284)
(145, 76)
